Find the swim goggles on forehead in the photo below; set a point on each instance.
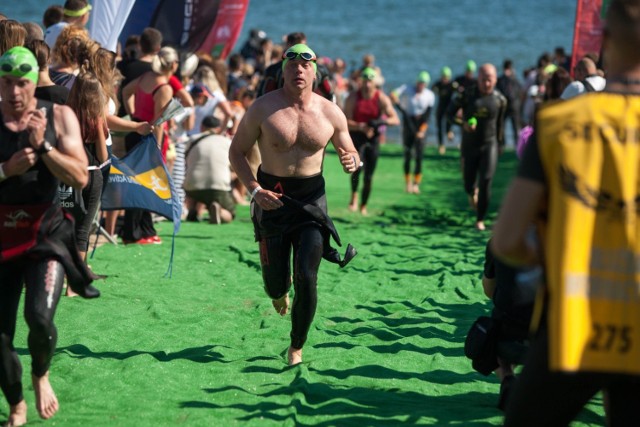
(23, 68)
(303, 55)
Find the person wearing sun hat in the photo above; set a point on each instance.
(75, 12)
(292, 126)
(415, 103)
(41, 147)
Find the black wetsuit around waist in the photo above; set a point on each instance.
(305, 203)
(36, 190)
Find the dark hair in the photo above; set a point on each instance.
(41, 51)
(296, 38)
(557, 83)
(150, 40)
(75, 4)
(131, 47)
(507, 64)
(210, 122)
(235, 61)
(52, 15)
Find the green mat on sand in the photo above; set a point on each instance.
(206, 347)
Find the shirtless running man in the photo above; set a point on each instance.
(292, 126)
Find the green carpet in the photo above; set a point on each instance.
(206, 348)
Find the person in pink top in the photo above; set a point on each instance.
(144, 99)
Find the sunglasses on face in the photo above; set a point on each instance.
(368, 77)
(23, 68)
(303, 55)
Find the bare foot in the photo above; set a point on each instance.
(46, 400)
(442, 149)
(353, 204)
(450, 136)
(17, 415)
(409, 188)
(295, 356)
(281, 305)
(415, 189)
(363, 210)
(480, 226)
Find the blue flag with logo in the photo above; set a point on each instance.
(140, 180)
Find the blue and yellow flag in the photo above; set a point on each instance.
(140, 180)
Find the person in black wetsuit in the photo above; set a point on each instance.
(482, 121)
(274, 77)
(510, 87)
(444, 90)
(512, 292)
(467, 79)
(40, 145)
(292, 127)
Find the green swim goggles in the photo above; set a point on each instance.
(303, 55)
(22, 68)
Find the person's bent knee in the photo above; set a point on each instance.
(276, 289)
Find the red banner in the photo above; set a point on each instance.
(587, 33)
(226, 29)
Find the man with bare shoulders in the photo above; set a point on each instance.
(292, 127)
(40, 145)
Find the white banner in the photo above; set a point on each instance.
(107, 20)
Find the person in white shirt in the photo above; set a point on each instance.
(208, 176)
(587, 79)
(415, 104)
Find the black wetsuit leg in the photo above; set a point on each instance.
(360, 143)
(275, 255)
(545, 398)
(43, 283)
(275, 252)
(10, 367)
(486, 170)
(91, 197)
(408, 145)
(371, 153)
(419, 153)
(470, 167)
(307, 254)
(441, 112)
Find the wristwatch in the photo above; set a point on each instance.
(44, 148)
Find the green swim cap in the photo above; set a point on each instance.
(471, 66)
(423, 77)
(550, 69)
(445, 72)
(368, 73)
(298, 50)
(19, 62)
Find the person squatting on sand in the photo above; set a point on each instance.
(292, 127)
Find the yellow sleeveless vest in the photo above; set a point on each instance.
(589, 147)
